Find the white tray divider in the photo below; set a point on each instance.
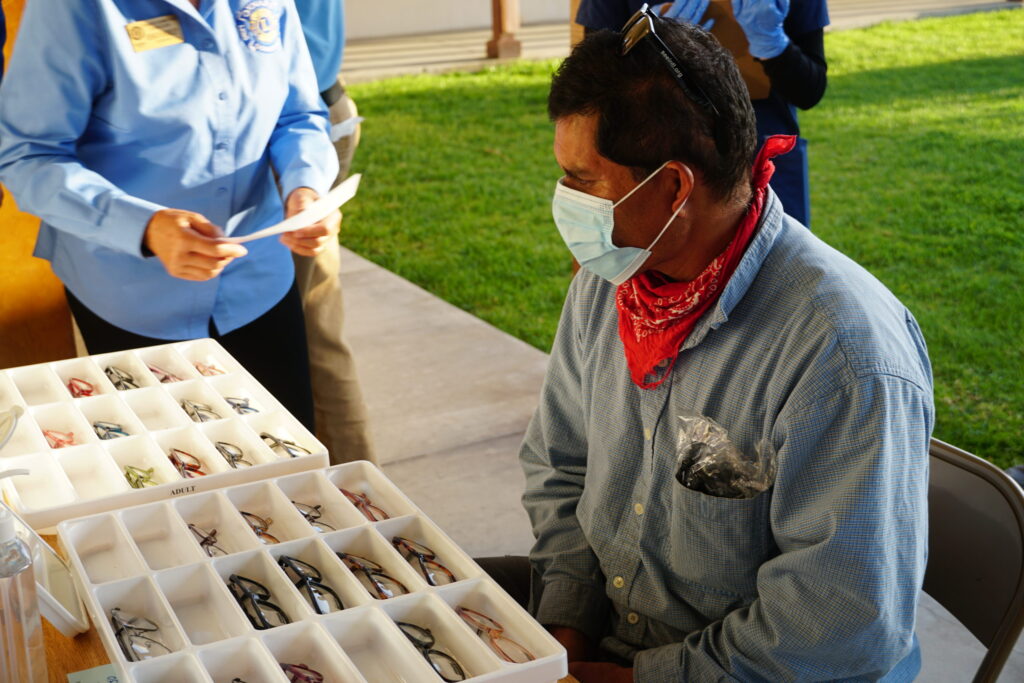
(214, 512)
(102, 549)
(239, 385)
(267, 501)
(192, 441)
(361, 477)
(307, 643)
(128, 362)
(44, 487)
(156, 410)
(65, 418)
(202, 603)
(91, 471)
(160, 536)
(198, 391)
(333, 573)
(27, 438)
(167, 358)
(258, 565)
(233, 431)
(313, 488)
(178, 668)
(285, 427)
(110, 408)
(138, 597)
(377, 648)
(209, 352)
(38, 385)
(420, 530)
(366, 543)
(142, 452)
(246, 658)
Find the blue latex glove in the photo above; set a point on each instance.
(762, 21)
(685, 12)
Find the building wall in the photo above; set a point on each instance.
(376, 19)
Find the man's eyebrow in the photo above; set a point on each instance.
(575, 173)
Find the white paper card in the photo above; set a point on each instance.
(342, 129)
(316, 211)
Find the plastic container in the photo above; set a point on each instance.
(87, 476)
(21, 630)
(147, 561)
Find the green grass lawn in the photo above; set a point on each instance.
(916, 169)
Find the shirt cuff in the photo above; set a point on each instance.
(305, 178)
(124, 226)
(576, 605)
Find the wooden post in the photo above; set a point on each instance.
(505, 21)
(575, 30)
(35, 323)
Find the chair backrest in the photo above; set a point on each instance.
(976, 550)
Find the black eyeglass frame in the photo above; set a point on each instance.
(308, 580)
(631, 37)
(424, 641)
(240, 587)
(371, 570)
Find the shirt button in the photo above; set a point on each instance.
(633, 618)
(647, 434)
(222, 96)
(639, 508)
(618, 582)
(221, 146)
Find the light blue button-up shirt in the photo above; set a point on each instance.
(95, 137)
(814, 579)
(323, 24)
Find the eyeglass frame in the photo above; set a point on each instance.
(307, 582)
(285, 444)
(312, 516)
(426, 648)
(162, 376)
(195, 409)
(257, 600)
(371, 569)
(186, 469)
(129, 626)
(209, 369)
(429, 557)
(143, 476)
(478, 622)
(56, 439)
(361, 502)
(120, 378)
(240, 405)
(223, 447)
(693, 91)
(109, 430)
(300, 670)
(207, 540)
(261, 527)
(74, 386)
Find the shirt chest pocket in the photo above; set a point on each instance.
(716, 546)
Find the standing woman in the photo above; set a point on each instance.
(787, 38)
(142, 133)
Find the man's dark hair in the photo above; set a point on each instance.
(644, 116)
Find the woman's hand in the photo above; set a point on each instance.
(311, 240)
(188, 245)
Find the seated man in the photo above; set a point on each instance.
(700, 299)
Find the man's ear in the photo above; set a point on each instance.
(682, 176)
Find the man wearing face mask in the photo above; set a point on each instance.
(699, 297)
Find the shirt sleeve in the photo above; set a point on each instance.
(849, 517)
(300, 146)
(55, 73)
(799, 74)
(554, 459)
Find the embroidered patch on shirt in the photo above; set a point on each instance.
(259, 25)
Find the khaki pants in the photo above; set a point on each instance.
(341, 421)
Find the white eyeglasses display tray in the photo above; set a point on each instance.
(322, 576)
(171, 420)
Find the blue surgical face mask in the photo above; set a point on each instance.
(586, 224)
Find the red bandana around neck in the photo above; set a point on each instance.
(656, 315)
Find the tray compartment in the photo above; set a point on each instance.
(28, 436)
(85, 369)
(236, 385)
(209, 352)
(235, 432)
(110, 409)
(169, 360)
(312, 488)
(284, 427)
(199, 391)
(130, 363)
(377, 648)
(201, 602)
(156, 410)
(142, 452)
(363, 478)
(266, 500)
(64, 418)
(169, 669)
(370, 545)
(91, 471)
(418, 530)
(139, 597)
(162, 538)
(44, 487)
(190, 440)
(309, 644)
(38, 385)
(213, 511)
(258, 566)
(104, 549)
(244, 658)
(333, 572)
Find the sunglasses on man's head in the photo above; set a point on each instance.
(642, 26)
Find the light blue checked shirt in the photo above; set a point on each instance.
(96, 137)
(814, 579)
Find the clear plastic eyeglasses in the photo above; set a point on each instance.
(260, 526)
(207, 541)
(199, 412)
(365, 505)
(80, 388)
(375, 580)
(57, 439)
(122, 381)
(493, 633)
(232, 453)
(424, 559)
(254, 598)
(240, 405)
(109, 430)
(446, 666)
(312, 514)
(188, 465)
(209, 369)
(135, 635)
(283, 446)
(139, 478)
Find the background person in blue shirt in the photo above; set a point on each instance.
(341, 417)
(787, 36)
(139, 133)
